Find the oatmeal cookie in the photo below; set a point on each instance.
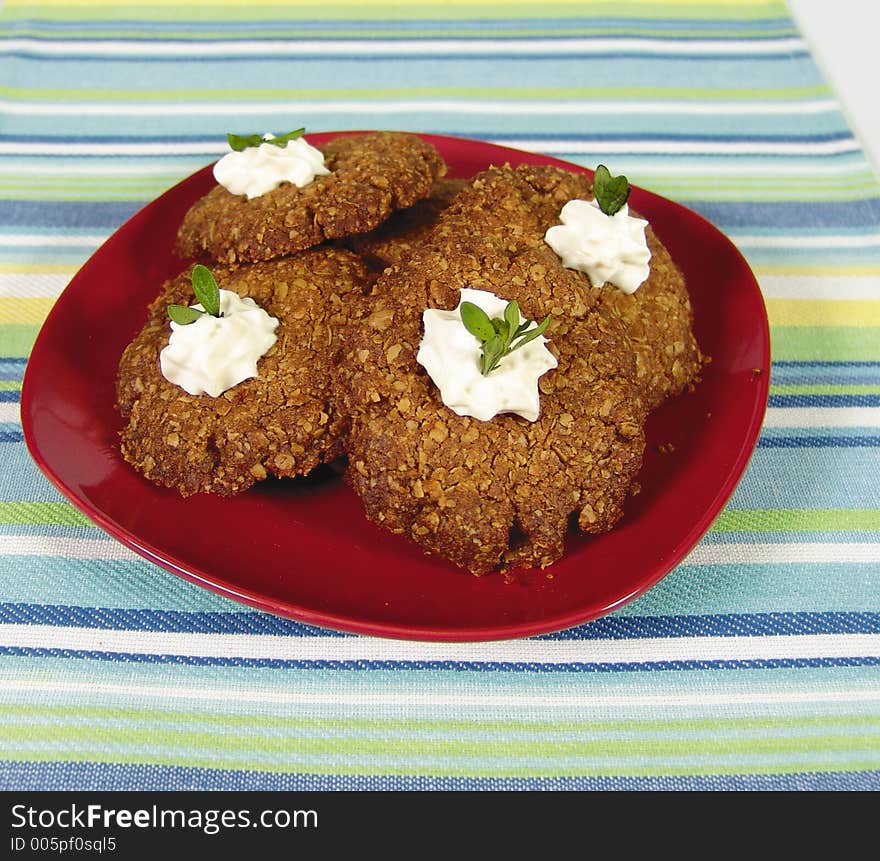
(502, 493)
(371, 176)
(285, 421)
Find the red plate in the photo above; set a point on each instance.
(303, 548)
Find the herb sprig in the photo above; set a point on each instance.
(207, 293)
(242, 142)
(499, 337)
(612, 192)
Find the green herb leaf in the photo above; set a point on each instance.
(499, 337)
(493, 353)
(612, 192)
(183, 314)
(511, 316)
(532, 334)
(282, 140)
(206, 289)
(242, 142)
(476, 321)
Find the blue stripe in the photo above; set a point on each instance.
(54, 214)
(10, 396)
(303, 56)
(727, 25)
(456, 71)
(418, 39)
(24, 776)
(794, 363)
(11, 436)
(819, 442)
(454, 666)
(824, 401)
(159, 620)
(606, 628)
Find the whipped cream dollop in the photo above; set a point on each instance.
(451, 356)
(214, 354)
(257, 169)
(608, 248)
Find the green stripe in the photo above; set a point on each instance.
(861, 186)
(815, 343)
(798, 520)
(16, 713)
(10, 385)
(744, 11)
(32, 513)
(206, 743)
(17, 339)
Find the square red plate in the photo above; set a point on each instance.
(303, 548)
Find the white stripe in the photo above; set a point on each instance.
(820, 417)
(96, 168)
(342, 697)
(400, 47)
(869, 240)
(856, 552)
(459, 106)
(10, 413)
(35, 148)
(272, 647)
(648, 146)
(820, 287)
(708, 168)
(38, 285)
(39, 240)
(685, 147)
(768, 554)
(70, 548)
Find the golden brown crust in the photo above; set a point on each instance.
(372, 176)
(284, 422)
(489, 495)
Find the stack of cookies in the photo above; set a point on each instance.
(348, 264)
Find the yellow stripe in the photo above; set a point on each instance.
(62, 4)
(860, 313)
(28, 311)
(817, 270)
(37, 269)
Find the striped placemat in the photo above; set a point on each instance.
(755, 664)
